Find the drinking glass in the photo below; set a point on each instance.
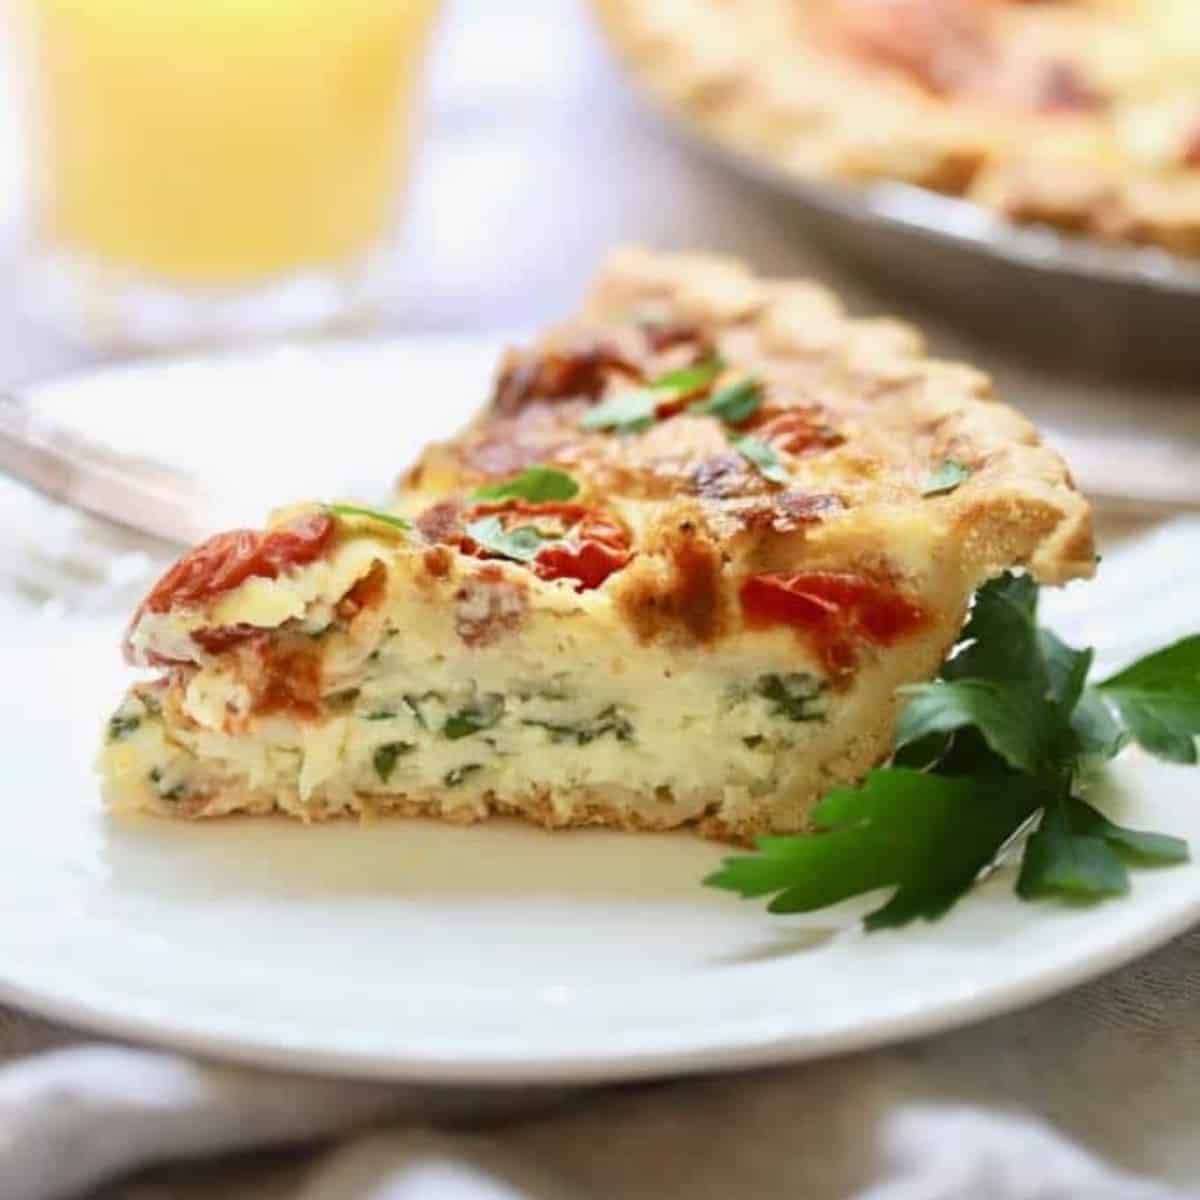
(214, 169)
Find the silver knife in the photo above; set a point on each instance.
(132, 492)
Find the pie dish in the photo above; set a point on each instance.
(1079, 114)
(672, 574)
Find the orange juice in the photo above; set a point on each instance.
(223, 141)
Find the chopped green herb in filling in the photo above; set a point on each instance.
(169, 794)
(413, 703)
(480, 714)
(121, 725)
(456, 775)
(795, 696)
(607, 721)
(384, 758)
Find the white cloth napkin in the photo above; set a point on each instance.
(1092, 1095)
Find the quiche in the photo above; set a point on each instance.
(1079, 114)
(672, 574)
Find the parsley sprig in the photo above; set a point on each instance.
(1000, 742)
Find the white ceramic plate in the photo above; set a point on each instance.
(414, 951)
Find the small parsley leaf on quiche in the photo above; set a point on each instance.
(733, 404)
(946, 478)
(628, 412)
(520, 544)
(536, 484)
(357, 511)
(762, 457)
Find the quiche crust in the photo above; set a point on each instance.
(711, 632)
(1080, 114)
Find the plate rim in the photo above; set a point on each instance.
(723, 1054)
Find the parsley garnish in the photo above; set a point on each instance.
(480, 714)
(762, 456)
(456, 775)
(384, 758)
(634, 412)
(689, 379)
(998, 741)
(370, 514)
(732, 404)
(1158, 700)
(946, 478)
(536, 484)
(628, 412)
(520, 544)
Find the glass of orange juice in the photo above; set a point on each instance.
(207, 169)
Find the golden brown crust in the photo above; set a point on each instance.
(871, 420)
(1080, 114)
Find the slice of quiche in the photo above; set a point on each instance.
(674, 573)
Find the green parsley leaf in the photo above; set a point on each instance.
(370, 514)
(1158, 699)
(1000, 637)
(689, 379)
(998, 709)
(732, 404)
(946, 478)
(1134, 845)
(1002, 736)
(482, 713)
(520, 544)
(627, 412)
(456, 775)
(1075, 867)
(762, 456)
(384, 758)
(927, 836)
(535, 484)
(1099, 734)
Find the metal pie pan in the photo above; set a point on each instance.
(1064, 300)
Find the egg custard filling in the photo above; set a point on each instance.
(674, 573)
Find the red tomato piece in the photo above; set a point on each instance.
(592, 546)
(833, 608)
(229, 559)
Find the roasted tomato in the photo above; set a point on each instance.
(835, 609)
(794, 430)
(581, 369)
(587, 545)
(229, 559)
